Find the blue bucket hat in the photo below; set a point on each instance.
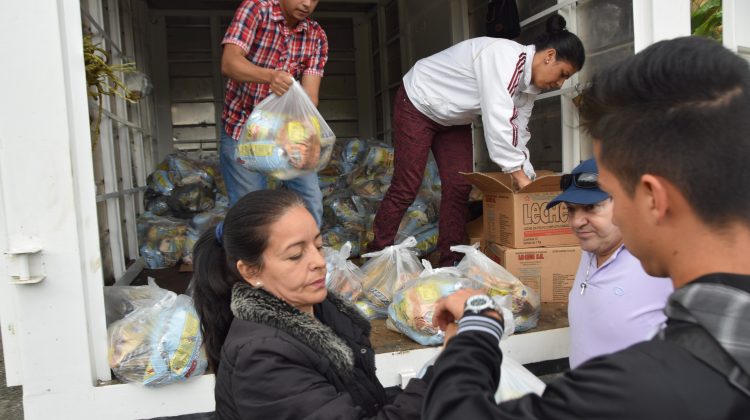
(582, 187)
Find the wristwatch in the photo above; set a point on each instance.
(479, 303)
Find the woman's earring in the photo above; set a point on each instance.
(258, 284)
(546, 61)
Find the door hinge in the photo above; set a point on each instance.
(25, 266)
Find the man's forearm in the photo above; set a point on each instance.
(242, 70)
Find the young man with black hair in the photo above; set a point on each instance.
(672, 140)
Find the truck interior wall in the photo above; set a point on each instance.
(125, 149)
(428, 26)
(372, 44)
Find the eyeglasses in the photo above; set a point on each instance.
(587, 180)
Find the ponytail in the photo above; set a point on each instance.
(211, 289)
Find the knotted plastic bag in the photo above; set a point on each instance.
(122, 300)
(285, 136)
(497, 280)
(344, 277)
(389, 270)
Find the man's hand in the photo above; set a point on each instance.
(451, 308)
(450, 331)
(280, 82)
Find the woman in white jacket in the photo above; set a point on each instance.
(440, 97)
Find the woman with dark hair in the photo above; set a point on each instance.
(434, 108)
(282, 346)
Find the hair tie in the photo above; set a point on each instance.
(219, 232)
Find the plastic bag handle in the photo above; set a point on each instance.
(427, 268)
(346, 250)
(409, 242)
(466, 249)
(342, 255)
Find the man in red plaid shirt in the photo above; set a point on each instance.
(268, 43)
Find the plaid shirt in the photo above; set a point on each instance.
(259, 28)
(722, 310)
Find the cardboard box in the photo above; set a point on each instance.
(550, 271)
(520, 219)
(475, 231)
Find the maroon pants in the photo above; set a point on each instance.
(414, 135)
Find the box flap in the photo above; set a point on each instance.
(496, 182)
(543, 183)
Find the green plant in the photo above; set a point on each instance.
(102, 79)
(705, 19)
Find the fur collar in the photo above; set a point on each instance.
(259, 306)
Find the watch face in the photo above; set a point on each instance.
(478, 300)
(478, 303)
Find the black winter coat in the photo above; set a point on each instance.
(655, 379)
(279, 363)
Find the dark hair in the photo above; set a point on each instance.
(568, 47)
(244, 237)
(679, 109)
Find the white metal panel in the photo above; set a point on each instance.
(9, 316)
(530, 347)
(657, 20)
(125, 402)
(736, 30)
(48, 195)
(392, 366)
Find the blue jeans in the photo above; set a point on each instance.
(240, 180)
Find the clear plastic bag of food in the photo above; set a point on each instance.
(191, 237)
(161, 181)
(285, 136)
(187, 200)
(415, 218)
(161, 240)
(352, 153)
(188, 171)
(388, 271)
(158, 344)
(344, 277)
(412, 308)
(369, 310)
(498, 281)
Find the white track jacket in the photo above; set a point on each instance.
(480, 76)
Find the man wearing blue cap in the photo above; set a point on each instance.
(613, 303)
